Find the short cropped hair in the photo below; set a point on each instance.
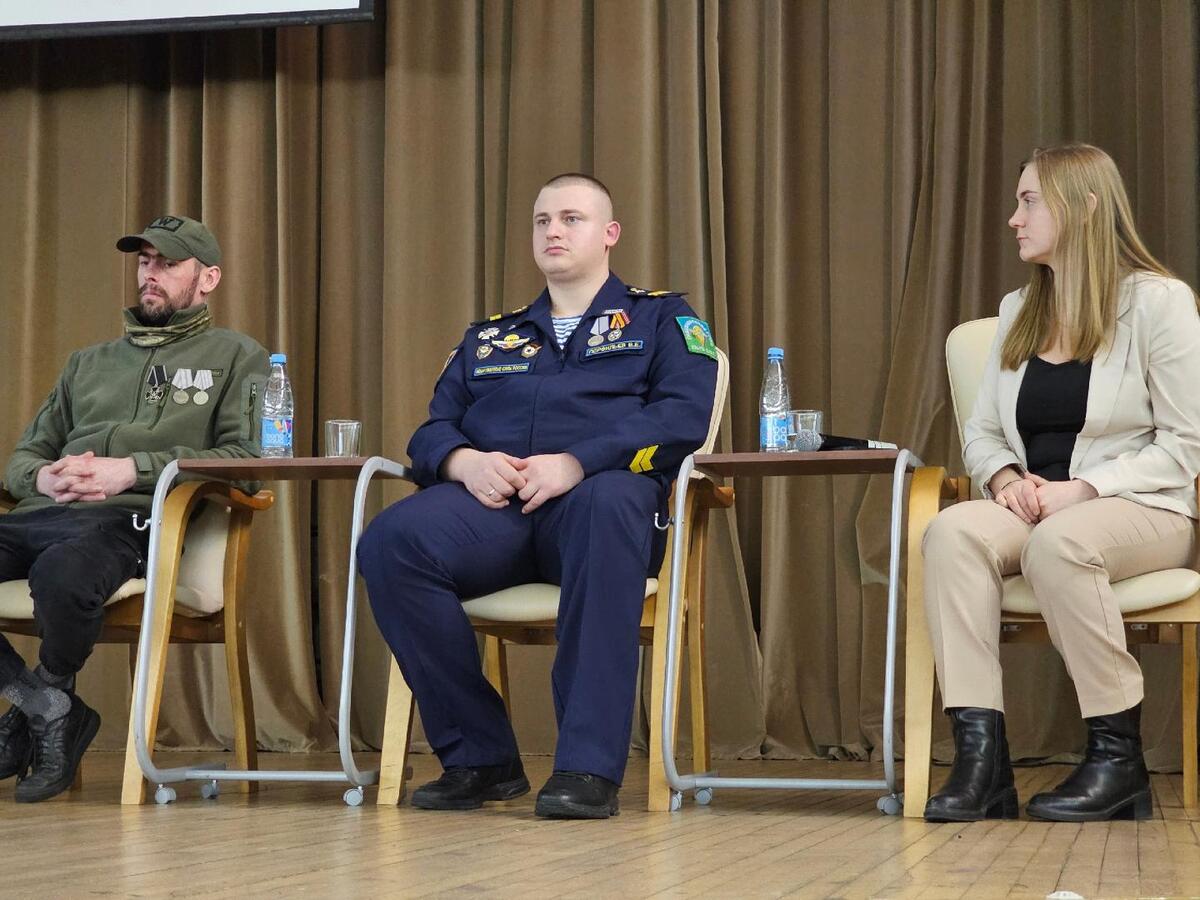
(579, 176)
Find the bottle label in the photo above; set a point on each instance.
(772, 432)
(276, 434)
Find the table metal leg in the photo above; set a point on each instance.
(891, 802)
(217, 772)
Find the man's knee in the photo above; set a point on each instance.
(617, 492)
(67, 580)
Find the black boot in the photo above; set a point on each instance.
(980, 785)
(577, 795)
(1110, 783)
(14, 743)
(58, 747)
(463, 787)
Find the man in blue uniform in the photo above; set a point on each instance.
(552, 439)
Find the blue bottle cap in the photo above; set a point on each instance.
(774, 353)
(278, 358)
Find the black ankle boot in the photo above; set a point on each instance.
(14, 743)
(1110, 783)
(980, 785)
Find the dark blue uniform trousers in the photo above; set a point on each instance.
(421, 556)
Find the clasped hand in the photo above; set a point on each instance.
(493, 478)
(86, 477)
(1033, 498)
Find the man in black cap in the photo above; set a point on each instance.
(84, 472)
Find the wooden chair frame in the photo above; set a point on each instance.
(122, 620)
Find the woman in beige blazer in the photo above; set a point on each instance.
(1086, 436)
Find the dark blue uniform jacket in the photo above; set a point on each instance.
(632, 388)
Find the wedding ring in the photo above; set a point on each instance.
(491, 491)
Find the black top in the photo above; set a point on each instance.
(1051, 408)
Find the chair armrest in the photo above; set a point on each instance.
(711, 495)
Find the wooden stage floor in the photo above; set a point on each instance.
(294, 839)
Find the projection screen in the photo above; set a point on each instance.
(73, 18)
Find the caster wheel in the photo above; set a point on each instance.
(704, 796)
(164, 795)
(210, 789)
(353, 796)
(676, 801)
(889, 805)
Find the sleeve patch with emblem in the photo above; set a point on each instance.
(446, 364)
(697, 336)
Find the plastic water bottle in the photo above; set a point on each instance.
(773, 404)
(278, 407)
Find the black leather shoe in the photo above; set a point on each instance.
(1110, 783)
(14, 743)
(577, 795)
(58, 746)
(463, 787)
(980, 785)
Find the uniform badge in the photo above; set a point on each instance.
(615, 334)
(510, 342)
(483, 351)
(488, 333)
(595, 340)
(530, 350)
(697, 336)
(156, 384)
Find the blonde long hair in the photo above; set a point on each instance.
(1096, 248)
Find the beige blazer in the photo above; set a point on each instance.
(1141, 434)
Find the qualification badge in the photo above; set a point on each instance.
(510, 342)
(488, 333)
(483, 351)
(530, 350)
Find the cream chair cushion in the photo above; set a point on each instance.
(201, 587)
(1136, 594)
(525, 603)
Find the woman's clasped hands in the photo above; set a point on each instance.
(1032, 498)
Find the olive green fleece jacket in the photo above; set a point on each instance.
(100, 404)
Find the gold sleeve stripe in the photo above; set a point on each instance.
(643, 460)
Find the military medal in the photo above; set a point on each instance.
(615, 334)
(483, 351)
(203, 381)
(488, 333)
(595, 340)
(183, 381)
(530, 350)
(156, 384)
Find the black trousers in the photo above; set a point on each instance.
(74, 558)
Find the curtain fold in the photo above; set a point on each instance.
(832, 178)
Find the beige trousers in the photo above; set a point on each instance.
(1069, 560)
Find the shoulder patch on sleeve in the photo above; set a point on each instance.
(446, 364)
(697, 336)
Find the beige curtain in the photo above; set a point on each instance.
(830, 177)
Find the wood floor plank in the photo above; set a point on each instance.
(300, 839)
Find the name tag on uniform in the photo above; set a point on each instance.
(614, 347)
(512, 368)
